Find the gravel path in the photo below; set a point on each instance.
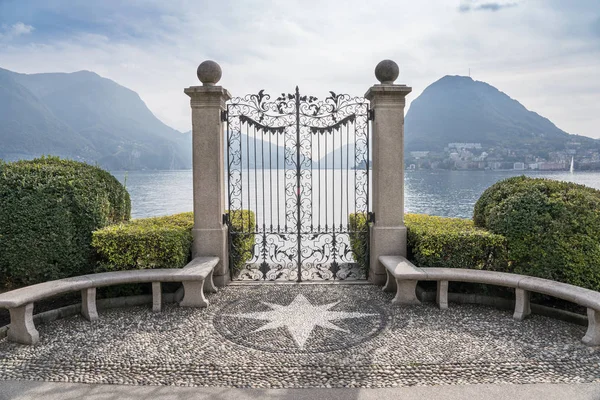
(284, 336)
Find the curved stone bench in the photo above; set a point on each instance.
(402, 277)
(196, 277)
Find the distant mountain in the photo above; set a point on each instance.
(459, 109)
(86, 117)
(258, 151)
(28, 126)
(343, 157)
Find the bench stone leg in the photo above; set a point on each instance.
(592, 336)
(441, 296)
(522, 304)
(88, 304)
(21, 328)
(406, 292)
(193, 294)
(390, 283)
(156, 297)
(209, 285)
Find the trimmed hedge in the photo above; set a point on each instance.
(552, 228)
(442, 242)
(48, 210)
(242, 242)
(160, 242)
(453, 243)
(359, 237)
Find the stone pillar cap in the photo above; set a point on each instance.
(387, 72)
(209, 73)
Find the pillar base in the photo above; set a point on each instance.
(213, 243)
(221, 280)
(385, 241)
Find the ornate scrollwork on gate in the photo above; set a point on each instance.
(301, 165)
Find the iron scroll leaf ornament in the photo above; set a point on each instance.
(297, 244)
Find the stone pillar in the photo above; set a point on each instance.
(388, 233)
(208, 104)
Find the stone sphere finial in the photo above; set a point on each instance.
(387, 72)
(209, 73)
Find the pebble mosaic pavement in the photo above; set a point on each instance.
(279, 336)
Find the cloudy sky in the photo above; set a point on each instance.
(544, 53)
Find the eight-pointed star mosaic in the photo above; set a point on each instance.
(300, 317)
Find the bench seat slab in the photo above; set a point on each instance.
(194, 294)
(592, 336)
(88, 304)
(21, 328)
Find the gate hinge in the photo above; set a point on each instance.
(224, 115)
(371, 217)
(371, 115)
(225, 219)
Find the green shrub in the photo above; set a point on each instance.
(162, 242)
(552, 228)
(48, 210)
(453, 243)
(359, 239)
(159, 242)
(242, 224)
(440, 242)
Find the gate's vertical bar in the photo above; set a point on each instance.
(367, 255)
(248, 174)
(388, 233)
(229, 185)
(298, 172)
(278, 179)
(262, 162)
(319, 172)
(271, 185)
(256, 222)
(341, 176)
(325, 169)
(333, 182)
(312, 189)
(209, 232)
(347, 228)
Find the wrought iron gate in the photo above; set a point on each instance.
(298, 187)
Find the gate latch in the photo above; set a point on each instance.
(371, 217)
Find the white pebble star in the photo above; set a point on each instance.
(300, 318)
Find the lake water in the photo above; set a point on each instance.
(443, 193)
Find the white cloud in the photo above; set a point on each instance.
(16, 30)
(533, 52)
